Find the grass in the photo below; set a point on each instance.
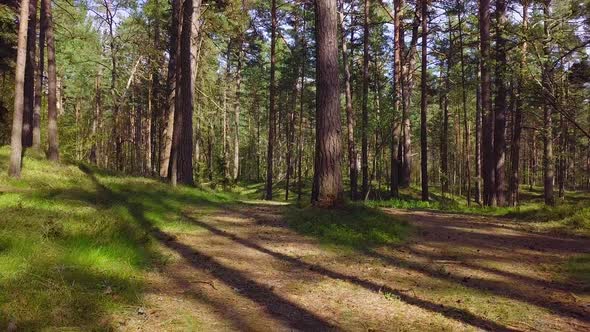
(569, 217)
(578, 269)
(75, 245)
(354, 226)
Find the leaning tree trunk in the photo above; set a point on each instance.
(424, 103)
(29, 99)
(16, 143)
(328, 190)
(52, 136)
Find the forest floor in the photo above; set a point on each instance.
(245, 269)
(82, 249)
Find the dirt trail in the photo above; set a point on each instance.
(247, 271)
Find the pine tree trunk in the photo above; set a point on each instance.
(52, 135)
(271, 110)
(29, 94)
(39, 82)
(352, 155)
(172, 83)
(328, 191)
(16, 143)
(424, 103)
(548, 159)
(365, 110)
(396, 118)
(237, 107)
(500, 105)
(513, 191)
(465, 118)
(489, 198)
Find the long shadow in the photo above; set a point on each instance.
(498, 287)
(450, 312)
(282, 309)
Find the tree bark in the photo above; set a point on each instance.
(489, 198)
(424, 103)
(500, 105)
(365, 105)
(465, 118)
(548, 162)
(29, 94)
(39, 82)
(52, 135)
(396, 118)
(513, 192)
(328, 190)
(174, 51)
(352, 155)
(271, 110)
(16, 143)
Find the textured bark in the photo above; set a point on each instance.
(396, 118)
(548, 162)
(424, 103)
(352, 154)
(328, 190)
(181, 169)
(174, 50)
(52, 136)
(478, 194)
(365, 110)
(29, 94)
(489, 198)
(464, 104)
(301, 108)
(96, 120)
(237, 108)
(513, 193)
(39, 82)
(271, 110)
(16, 144)
(500, 104)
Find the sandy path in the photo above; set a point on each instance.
(247, 271)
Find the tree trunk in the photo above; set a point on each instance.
(171, 83)
(16, 143)
(500, 104)
(465, 118)
(513, 192)
(489, 198)
(29, 94)
(548, 162)
(396, 118)
(352, 155)
(365, 110)
(39, 82)
(271, 110)
(236, 168)
(424, 103)
(328, 190)
(53, 151)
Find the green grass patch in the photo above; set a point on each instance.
(76, 243)
(578, 269)
(355, 226)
